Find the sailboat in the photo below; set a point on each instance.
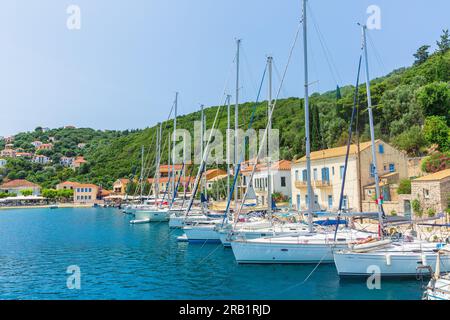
(314, 246)
(158, 213)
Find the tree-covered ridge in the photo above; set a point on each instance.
(411, 110)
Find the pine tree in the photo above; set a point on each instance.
(316, 134)
(421, 55)
(444, 43)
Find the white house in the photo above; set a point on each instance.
(41, 159)
(327, 171)
(66, 161)
(37, 143)
(280, 174)
(2, 163)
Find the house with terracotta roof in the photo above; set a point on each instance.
(45, 146)
(85, 193)
(165, 169)
(280, 179)
(213, 175)
(9, 151)
(120, 186)
(78, 162)
(67, 185)
(24, 154)
(184, 182)
(327, 171)
(16, 186)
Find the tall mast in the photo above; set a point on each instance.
(372, 132)
(236, 123)
(202, 137)
(269, 162)
(174, 137)
(228, 148)
(158, 161)
(142, 172)
(307, 133)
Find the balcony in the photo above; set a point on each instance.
(300, 184)
(322, 184)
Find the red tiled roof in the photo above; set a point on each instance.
(282, 165)
(68, 183)
(18, 183)
(165, 167)
(166, 179)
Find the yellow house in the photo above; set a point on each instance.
(120, 186)
(327, 170)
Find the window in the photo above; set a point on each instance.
(330, 202)
(341, 172)
(392, 167)
(304, 175)
(283, 181)
(426, 193)
(372, 170)
(325, 174)
(296, 175)
(381, 148)
(315, 174)
(298, 201)
(345, 203)
(332, 171)
(306, 201)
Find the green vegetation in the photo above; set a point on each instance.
(26, 192)
(404, 186)
(417, 208)
(411, 111)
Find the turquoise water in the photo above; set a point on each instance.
(122, 261)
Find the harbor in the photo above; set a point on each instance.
(118, 260)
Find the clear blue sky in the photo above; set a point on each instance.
(122, 68)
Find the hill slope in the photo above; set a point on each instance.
(409, 104)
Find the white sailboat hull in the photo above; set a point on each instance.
(283, 253)
(300, 248)
(152, 216)
(203, 233)
(179, 221)
(386, 263)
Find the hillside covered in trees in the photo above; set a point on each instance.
(411, 111)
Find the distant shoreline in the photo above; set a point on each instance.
(60, 206)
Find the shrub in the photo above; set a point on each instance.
(404, 187)
(431, 212)
(417, 208)
(393, 213)
(26, 192)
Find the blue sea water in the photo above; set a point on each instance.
(122, 261)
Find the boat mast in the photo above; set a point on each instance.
(307, 133)
(236, 123)
(372, 132)
(174, 137)
(158, 162)
(142, 173)
(228, 149)
(269, 125)
(202, 137)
